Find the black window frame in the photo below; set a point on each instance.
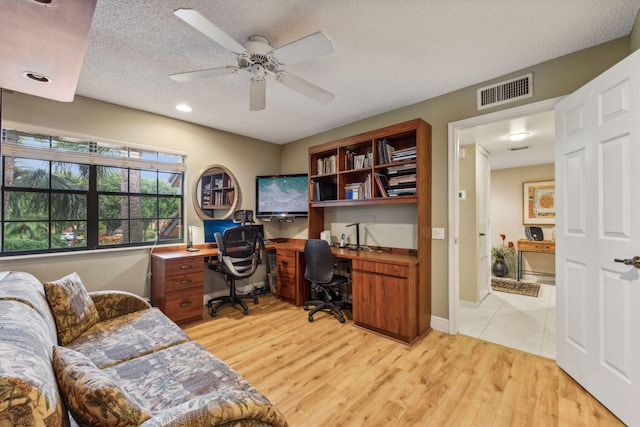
(165, 228)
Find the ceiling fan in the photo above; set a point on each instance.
(260, 60)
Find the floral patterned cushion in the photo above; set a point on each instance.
(167, 378)
(127, 337)
(72, 307)
(29, 394)
(92, 397)
(26, 288)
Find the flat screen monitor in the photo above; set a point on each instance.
(282, 195)
(213, 226)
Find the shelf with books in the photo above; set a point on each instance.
(384, 179)
(217, 190)
(356, 156)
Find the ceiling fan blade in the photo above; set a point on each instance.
(202, 24)
(201, 74)
(304, 87)
(257, 94)
(311, 46)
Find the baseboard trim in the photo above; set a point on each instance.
(440, 324)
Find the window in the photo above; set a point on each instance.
(61, 194)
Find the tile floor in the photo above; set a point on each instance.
(517, 321)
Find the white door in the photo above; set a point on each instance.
(598, 220)
(482, 190)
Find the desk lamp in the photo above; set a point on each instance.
(357, 224)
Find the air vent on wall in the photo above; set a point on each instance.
(504, 92)
(526, 147)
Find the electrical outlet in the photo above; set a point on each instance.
(437, 233)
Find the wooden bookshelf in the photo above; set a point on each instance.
(411, 141)
(218, 191)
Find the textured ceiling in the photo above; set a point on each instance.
(388, 54)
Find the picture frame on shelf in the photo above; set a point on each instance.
(538, 203)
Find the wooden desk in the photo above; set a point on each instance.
(536, 246)
(387, 295)
(177, 281)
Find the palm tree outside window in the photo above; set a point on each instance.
(63, 194)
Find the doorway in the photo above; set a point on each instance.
(534, 317)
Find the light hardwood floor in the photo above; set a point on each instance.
(330, 374)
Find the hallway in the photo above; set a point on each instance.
(516, 321)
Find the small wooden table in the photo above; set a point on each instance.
(538, 246)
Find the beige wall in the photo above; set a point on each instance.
(635, 34)
(551, 79)
(468, 225)
(506, 211)
(127, 269)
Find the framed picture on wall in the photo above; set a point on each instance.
(539, 205)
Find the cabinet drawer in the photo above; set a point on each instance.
(184, 281)
(381, 268)
(287, 290)
(536, 246)
(286, 274)
(286, 266)
(183, 266)
(184, 304)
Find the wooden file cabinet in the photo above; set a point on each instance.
(286, 274)
(177, 287)
(385, 299)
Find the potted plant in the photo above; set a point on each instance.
(504, 258)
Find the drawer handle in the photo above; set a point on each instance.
(184, 267)
(184, 282)
(186, 303)
(285, 262)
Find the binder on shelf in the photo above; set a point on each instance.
(383, 184)
(324, 191)
(385, 151)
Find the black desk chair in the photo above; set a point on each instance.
(239, 254)
(320, 272)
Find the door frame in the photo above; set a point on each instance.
(454, 183)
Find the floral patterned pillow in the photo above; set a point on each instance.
(72, 307)
(93, 398)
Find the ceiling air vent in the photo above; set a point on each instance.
(504, 92)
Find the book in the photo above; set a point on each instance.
(383, 184)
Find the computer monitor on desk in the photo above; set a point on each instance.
(213, 226)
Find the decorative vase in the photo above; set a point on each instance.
(499, 268)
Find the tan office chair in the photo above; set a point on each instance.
(239, 254)
(320, 271)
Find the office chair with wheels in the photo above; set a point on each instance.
(239, 254)
(320, 272)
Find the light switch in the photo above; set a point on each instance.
(437, 233)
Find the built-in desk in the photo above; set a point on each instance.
(536, 246)
(387, 295)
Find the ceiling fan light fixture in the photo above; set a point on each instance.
(184, 108)
(518, 136)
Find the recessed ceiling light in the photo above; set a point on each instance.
(40, 78)
(517, 136)
(184, 108)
